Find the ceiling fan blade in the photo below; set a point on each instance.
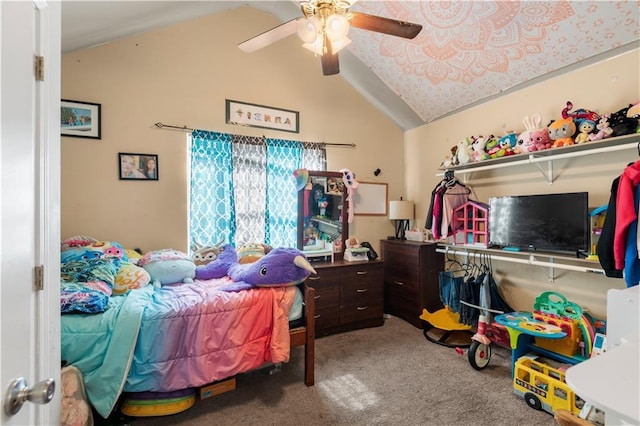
(385, 25)
(330, 64)
(270, 36)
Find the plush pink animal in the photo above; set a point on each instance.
(534, 138)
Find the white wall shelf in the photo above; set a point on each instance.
(535, 258)
(548, 156)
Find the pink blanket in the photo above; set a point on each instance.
(195, 334)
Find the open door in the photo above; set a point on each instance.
(30, 213)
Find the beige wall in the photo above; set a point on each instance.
(182, 75)
(604, 87)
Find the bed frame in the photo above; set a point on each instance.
(306, 334)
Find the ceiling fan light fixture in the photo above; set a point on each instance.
(338, 45)
(316, 47)
(337, 27)
(308, 29)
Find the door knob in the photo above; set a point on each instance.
(19, 392)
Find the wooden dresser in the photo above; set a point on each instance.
(349, 295)
(411, 278)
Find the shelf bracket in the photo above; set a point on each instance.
(548, 174)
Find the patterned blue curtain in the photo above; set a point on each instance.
(283, 157)
(243, 190)
(211, 200)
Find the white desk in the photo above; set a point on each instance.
(611, 382)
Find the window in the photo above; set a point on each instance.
(242, 188)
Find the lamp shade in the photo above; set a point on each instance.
(400, 210)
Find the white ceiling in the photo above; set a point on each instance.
(468, 51)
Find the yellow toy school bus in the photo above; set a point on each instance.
(541, 382)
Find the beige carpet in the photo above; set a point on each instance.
(389, 375)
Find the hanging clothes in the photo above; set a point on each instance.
(631, 260)
(448, 195)
(618, 244)
(625, 210)
(604, 249)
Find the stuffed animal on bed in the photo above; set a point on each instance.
(282, 266)
(168, 266)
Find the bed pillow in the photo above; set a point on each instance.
(76, 241)
(130, 277)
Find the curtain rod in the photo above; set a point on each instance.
(161, 125)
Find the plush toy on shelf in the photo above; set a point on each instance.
(604, 129)
(478, 146)
(535, 137)
(585, 130)
(508, 143)
(561, 131)
(464, 151)
(621, 123)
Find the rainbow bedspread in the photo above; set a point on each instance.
(176, 337)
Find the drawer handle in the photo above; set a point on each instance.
(362, 308)
(398, 282)
(361, 273)
(313, 278)
(362, 290)
(316, 297)
(316, 316)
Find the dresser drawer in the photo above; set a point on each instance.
(361, 293)
(327, 317)
(372, 310)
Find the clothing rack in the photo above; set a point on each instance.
(161, 125)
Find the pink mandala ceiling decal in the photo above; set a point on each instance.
(469, 50)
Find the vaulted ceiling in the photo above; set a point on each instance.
(467, 52)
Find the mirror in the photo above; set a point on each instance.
(322, 216)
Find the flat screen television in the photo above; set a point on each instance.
(547, 222)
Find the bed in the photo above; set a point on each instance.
(185, 335)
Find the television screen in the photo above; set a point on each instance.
(548, 222)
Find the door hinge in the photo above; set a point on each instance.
(39, 64)
(38, 277)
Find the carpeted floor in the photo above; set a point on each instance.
(389, 375)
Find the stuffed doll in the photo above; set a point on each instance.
(621, 123)
(534, 138)
(204, 254)
(282, 266)
(604, 129)
(168, 266)
(350, 182)
(479, 146)
(585, 129)
(464, 151)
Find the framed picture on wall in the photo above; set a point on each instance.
(80, 119)
(137, 166)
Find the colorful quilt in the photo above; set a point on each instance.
(175, 337)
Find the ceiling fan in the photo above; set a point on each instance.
(324, 29)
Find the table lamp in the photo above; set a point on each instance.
(402, 212)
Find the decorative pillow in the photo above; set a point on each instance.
(79, 254)
(130, 277)
(77, 241)
(110, 249)
(133, 255)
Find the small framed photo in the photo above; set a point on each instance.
(137, 166)
(80, 119)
